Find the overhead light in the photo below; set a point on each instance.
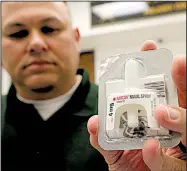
(119, 9)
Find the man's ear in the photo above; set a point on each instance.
(77, 34)
(77, 38)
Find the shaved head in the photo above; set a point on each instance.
(9, 8)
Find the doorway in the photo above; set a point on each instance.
(87, 61)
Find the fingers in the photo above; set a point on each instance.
(150, 152)
(178, 71)
(148, 45)
(93, 130)
(110, 156)
(116, 159)
(93, 125)
(172, 118)
(157, 161)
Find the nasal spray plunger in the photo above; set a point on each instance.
(134, 71)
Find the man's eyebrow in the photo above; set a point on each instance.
(17, 24)
(14, 25)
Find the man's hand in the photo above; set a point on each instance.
(173, 118)
(151, 157)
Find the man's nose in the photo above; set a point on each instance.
(37, 43)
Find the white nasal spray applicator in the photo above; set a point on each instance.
(134, 70)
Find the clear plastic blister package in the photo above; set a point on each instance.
(130, 87)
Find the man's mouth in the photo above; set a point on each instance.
(39, 64)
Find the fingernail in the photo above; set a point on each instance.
(158, 148)
(173, 114)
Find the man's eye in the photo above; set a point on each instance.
(20, 34)
(48, 30)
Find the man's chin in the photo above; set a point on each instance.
(40, 82)
(39, 85)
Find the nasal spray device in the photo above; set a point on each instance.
(131, 86)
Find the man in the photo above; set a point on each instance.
(151, 158)
(45, 114)
(47, 108)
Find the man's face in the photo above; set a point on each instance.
(39, 46)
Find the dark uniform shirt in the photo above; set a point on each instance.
(59, 144)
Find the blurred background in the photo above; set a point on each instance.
(109, 28)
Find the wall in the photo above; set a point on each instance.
(5, 82)
(80, 13)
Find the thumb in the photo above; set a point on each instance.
(157, 161)
(172, 118)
